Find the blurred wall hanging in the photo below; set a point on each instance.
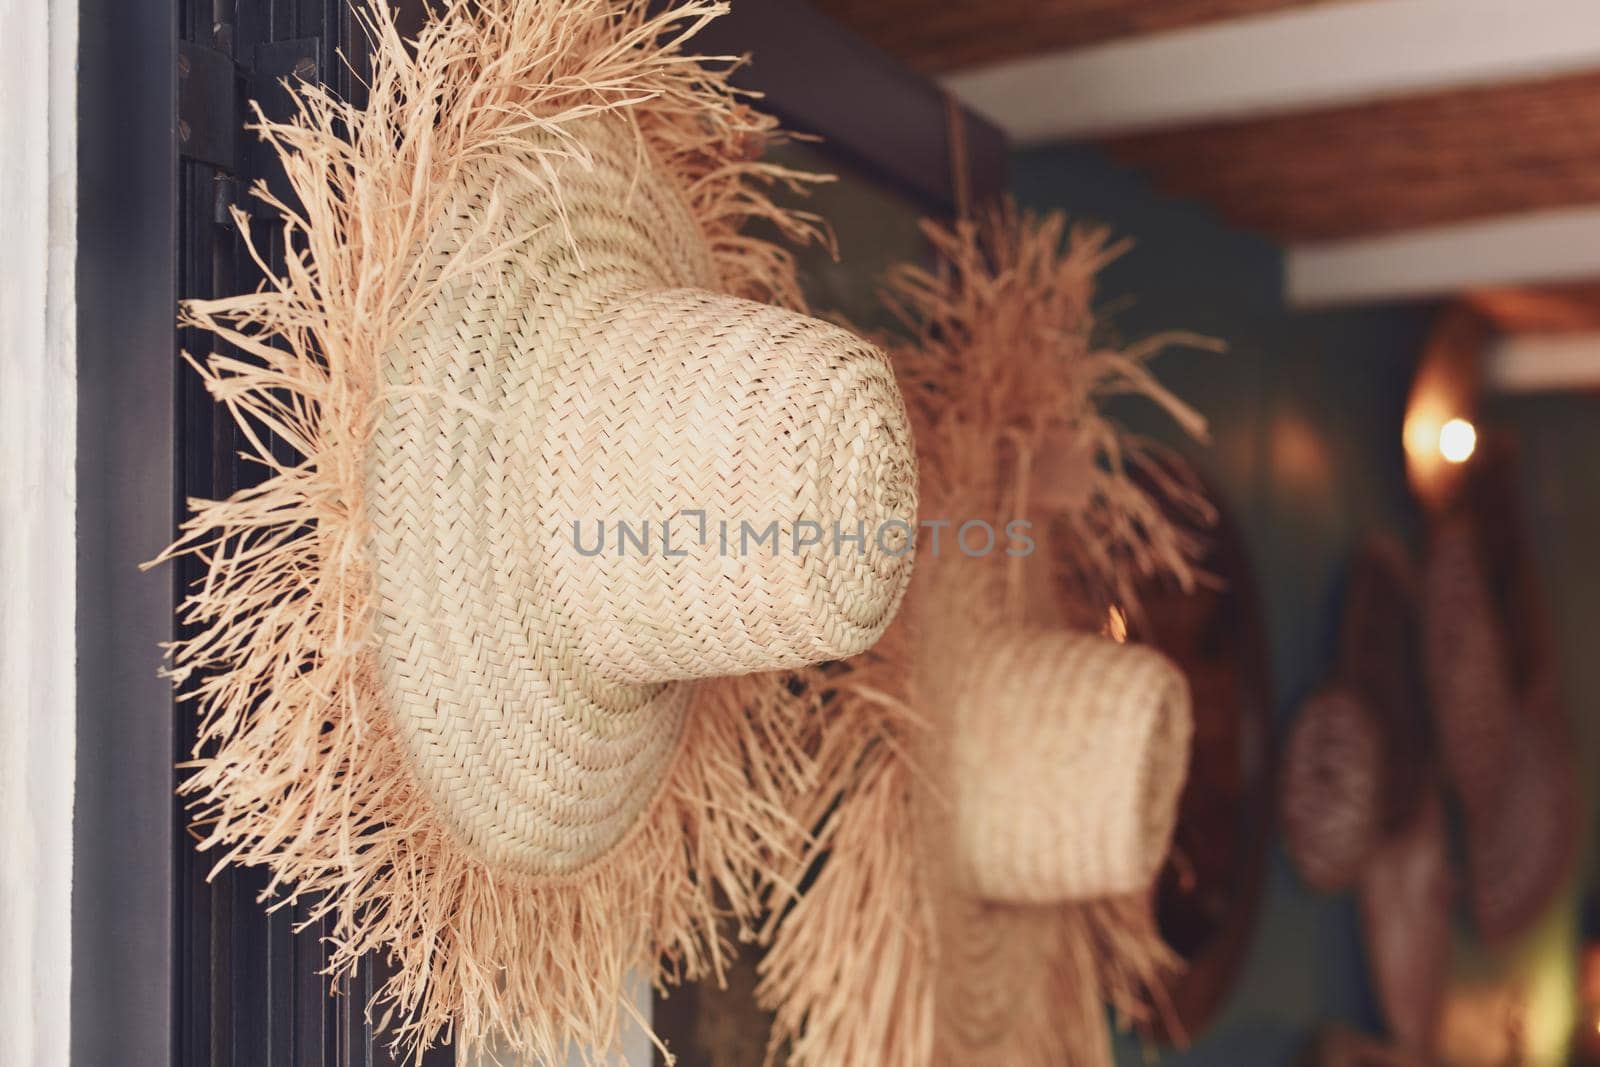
(1504, 735)
(1506, 743)
(1355, 765)
(1209, 893)
(1488, 652)
(1442, 723)
(988, 885)
(476, 741)
(1359, 805)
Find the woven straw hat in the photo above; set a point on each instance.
(985, 874)
(1333, 789)
(1068, 753)
(524, 307)
(1522, 842)
(1380, 660)
(588, 373)
(1064, 757)
(1520, 854)
(1407, 897)
(1467, 664)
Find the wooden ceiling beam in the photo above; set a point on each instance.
(1389, 165)
(944, 35)
(1282, 62)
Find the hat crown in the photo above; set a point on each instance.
(733, 489)
(1068, 755)
(580, 375)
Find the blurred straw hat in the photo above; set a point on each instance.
(1522, 846)
(1061, 758)
(1467, 663)
(1333, 789)
(1521, 852)
(980, 889)
(1407, 898)
(520, 308)
(1349, 771)
(1067, 755)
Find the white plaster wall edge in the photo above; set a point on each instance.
(38, 400)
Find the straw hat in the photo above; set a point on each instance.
(1067, 752)
(1349, 770)
(1521, 853)
(1380, 659)
(1407, 897)
(1004, 893)
(1467, 663)
(1522, 848)
(441, 692)
(1063, 757)
(628, 391)
(1333, 789)
(984, 877)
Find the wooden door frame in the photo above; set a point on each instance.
(123, 829)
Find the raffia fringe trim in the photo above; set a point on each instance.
(297, 768)
(1004, 360)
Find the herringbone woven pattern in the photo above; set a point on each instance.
(577, 382)
(1466, 662)
(1068, 753)
(513, 302)
(1333, 798)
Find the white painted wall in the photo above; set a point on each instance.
(38, 204)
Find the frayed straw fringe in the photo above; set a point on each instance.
(850, 973)
(298, 768)
(1005, 372)
(1001, 371)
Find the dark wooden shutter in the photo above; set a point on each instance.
(249, 992)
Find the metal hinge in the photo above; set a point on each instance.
(213, 89)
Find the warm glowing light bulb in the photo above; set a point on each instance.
(1457, 440)
(1421, 436)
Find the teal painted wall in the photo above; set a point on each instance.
(1305, 411)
